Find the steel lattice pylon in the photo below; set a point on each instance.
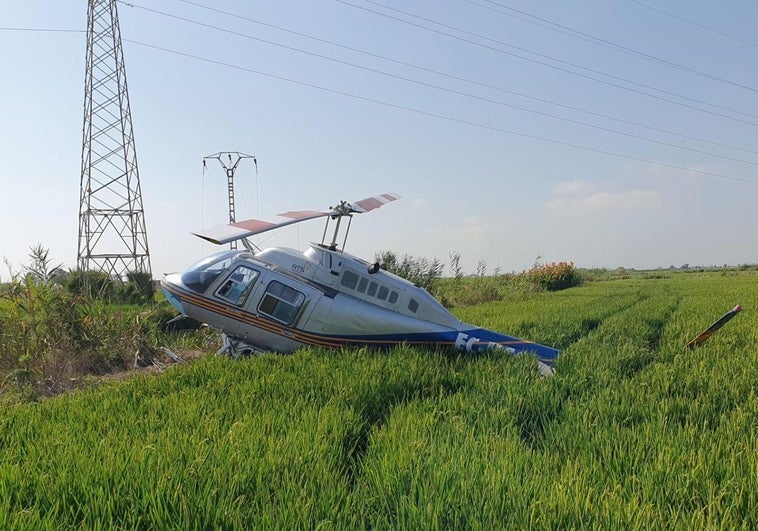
(230, 169)
(112, 233)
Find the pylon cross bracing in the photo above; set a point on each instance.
(112, 233)
(230, 167)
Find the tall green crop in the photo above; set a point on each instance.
(633, 431)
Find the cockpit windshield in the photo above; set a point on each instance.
(202, 274)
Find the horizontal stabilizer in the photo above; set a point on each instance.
(222, 234)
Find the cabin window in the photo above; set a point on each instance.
(349, 279)
(393, 297)
(413, 305)
(238, 286)
(201, 275)
(281, 302)
(372, 288)
(383, 292)
(362, 285)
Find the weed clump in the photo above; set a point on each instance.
(554, 276)
(60, 329)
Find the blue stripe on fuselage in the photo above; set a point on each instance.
(470, 340)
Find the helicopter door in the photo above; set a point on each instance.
(281, 302)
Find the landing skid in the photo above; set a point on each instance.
(236, 348)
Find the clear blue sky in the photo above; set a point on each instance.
(469, 184)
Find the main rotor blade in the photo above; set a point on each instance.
(222, 234)
(371, 203)
(250, 227)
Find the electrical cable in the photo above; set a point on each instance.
(466, 80)
(561, 69)
(693, 23)
(53, 30)
(437, 115)
(588, 37)
(444, 89)
(542, 100)
(413, 110)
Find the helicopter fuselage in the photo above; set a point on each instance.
(282, 299)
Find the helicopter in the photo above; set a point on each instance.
(281, 299)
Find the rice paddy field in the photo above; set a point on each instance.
(633, 432)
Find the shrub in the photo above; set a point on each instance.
(421, 271)
(138, 289)
(99, 284)
(553, 276)
(51, 337)
(470, 291)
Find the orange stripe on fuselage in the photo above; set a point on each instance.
(301, 336)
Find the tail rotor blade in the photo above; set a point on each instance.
(705, 334)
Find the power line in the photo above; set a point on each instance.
(437, 115)
(437, 72)
(413, 110)
(53, 30)
(587, 37)
(467, 80)
(693, 23)
(444, 89)
(578, 74)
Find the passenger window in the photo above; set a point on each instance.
(383, 292)
(412, 305)
(372, 288)
(349, 279)
(393, 297)
(281, 302)
(362, 285)
(238, 286)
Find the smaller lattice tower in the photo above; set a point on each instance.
(230, 167)
(112, 234)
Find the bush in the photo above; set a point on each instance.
(50, 337)
(52, 332)
(138, 289)
(421, 271)
(553, 276)
(99, 283)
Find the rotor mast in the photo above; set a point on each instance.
(343, 209)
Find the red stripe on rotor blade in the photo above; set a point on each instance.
(254, 225)
(370, 203)
(302, 214)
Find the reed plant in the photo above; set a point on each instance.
(51, 338)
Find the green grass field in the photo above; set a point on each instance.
(633, 431)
